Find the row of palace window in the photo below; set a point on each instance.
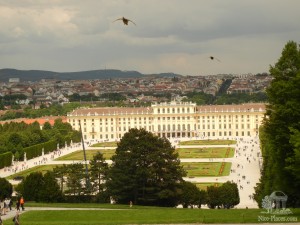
(237, 133)
(212, 126)
(204, 126)
(174, 118)
(208, 134)
(174, 110)
(176, 134)
(106, 120)
(112, 129)
(180, 127)
(226, 116)
(168, 126)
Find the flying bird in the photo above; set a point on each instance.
(214, 58)
(125, 21)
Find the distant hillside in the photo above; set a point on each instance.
(36, 75)
(167, 75)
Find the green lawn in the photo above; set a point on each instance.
(208, 142)
(203, 186)
(146, 215)
(41, 168)
(195, 169)
(78, 155)
(183, 153)
(78, 205)
(105, 144)
(205, 152)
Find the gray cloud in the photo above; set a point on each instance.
(171, 35)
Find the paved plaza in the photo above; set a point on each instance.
(245, 170)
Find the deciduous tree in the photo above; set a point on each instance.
(6, 188)
(145, 170)
(31, 186)
(229, 195)
(50, 192)
(189, 194)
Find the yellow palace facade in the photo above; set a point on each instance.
(170, 119)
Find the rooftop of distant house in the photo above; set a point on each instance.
(41, 121)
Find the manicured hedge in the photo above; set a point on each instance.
(5, 159)
(36, 150)
(50, 146)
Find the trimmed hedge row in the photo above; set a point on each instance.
(50, 146)
(36, 150)
(5, 159)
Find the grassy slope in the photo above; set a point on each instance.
(78, 155)
(40, 168)
(146, 215)
(105, 144)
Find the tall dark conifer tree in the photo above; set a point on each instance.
(279, 133)
(98, 173)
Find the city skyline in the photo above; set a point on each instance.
(169, 36)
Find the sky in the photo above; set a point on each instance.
(178, 36)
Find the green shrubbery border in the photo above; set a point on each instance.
(50, 146)
(36, 150)
(5, 159)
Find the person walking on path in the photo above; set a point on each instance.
(18, 205)
(1, 222)
(22, 203)
(16, 219)
(2, 207)
(6, 204)
(10, 204)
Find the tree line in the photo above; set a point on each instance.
(29, 112)
(15, 137)
(280, 134)
(202, 98)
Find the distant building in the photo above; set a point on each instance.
(170, 120)
(14, 80)
(41, 120)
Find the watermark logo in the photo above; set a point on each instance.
(275, 203)
(275, 208)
